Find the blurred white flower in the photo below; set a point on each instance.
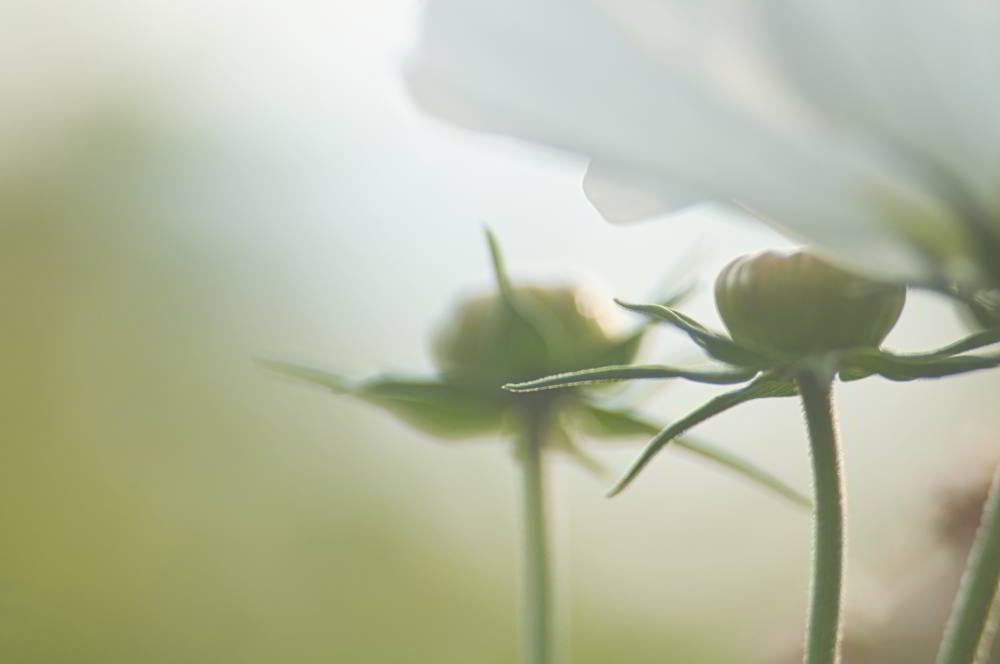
(870, 129)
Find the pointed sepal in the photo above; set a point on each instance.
(432, 406)
(632, 372)
(716, 345)
(765, 386)
(624, 423)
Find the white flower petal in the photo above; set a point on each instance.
(570, 74)
(621, 199)
(918, 78)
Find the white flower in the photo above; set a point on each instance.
(871, 129)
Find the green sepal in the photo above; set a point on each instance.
(857, 364)
(623, 423)
(944, 361)
(631, 372)
(602, 422)
(518, 339)
(849, 373)
(432, 406)
(718, 346)
(671, 299)
(500, 269)
(974, 341)
(334, 382)
(766, 386)
(435, 407)
(558, 438)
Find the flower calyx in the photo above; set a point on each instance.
(510, 334)
(786, 313)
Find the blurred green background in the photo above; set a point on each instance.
(184, 188)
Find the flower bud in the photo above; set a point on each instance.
(796, 304)
(487, 344)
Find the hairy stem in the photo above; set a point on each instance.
(823, 631)
(969, 634)
(537, 577)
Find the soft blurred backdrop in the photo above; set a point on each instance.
(186, 186)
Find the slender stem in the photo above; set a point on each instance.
(823, 632)
(969, 633)
(537, 577)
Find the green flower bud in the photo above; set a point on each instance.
(796, 304)
(488, 343)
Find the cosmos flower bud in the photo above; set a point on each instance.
(488, 343)
(796, 305)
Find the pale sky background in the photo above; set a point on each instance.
(342, 224)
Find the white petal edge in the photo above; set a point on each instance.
(560, 73)
(622, 200)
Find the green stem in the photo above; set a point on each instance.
(823, 632)
(968, 637)
(537, 577)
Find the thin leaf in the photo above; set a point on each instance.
(559, 439)
(672, 298)
(767, 385)
(972, 342)
(630, 372)
(321, 377)
(605, 422)
(718, 346)
(625, 423)
(500, 269)
(851, 373)
(521, 336)
(433, 406)
(747, 470)
(905, 368)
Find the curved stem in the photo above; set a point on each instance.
(537, 577)
(823, 632)
(968, 637)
